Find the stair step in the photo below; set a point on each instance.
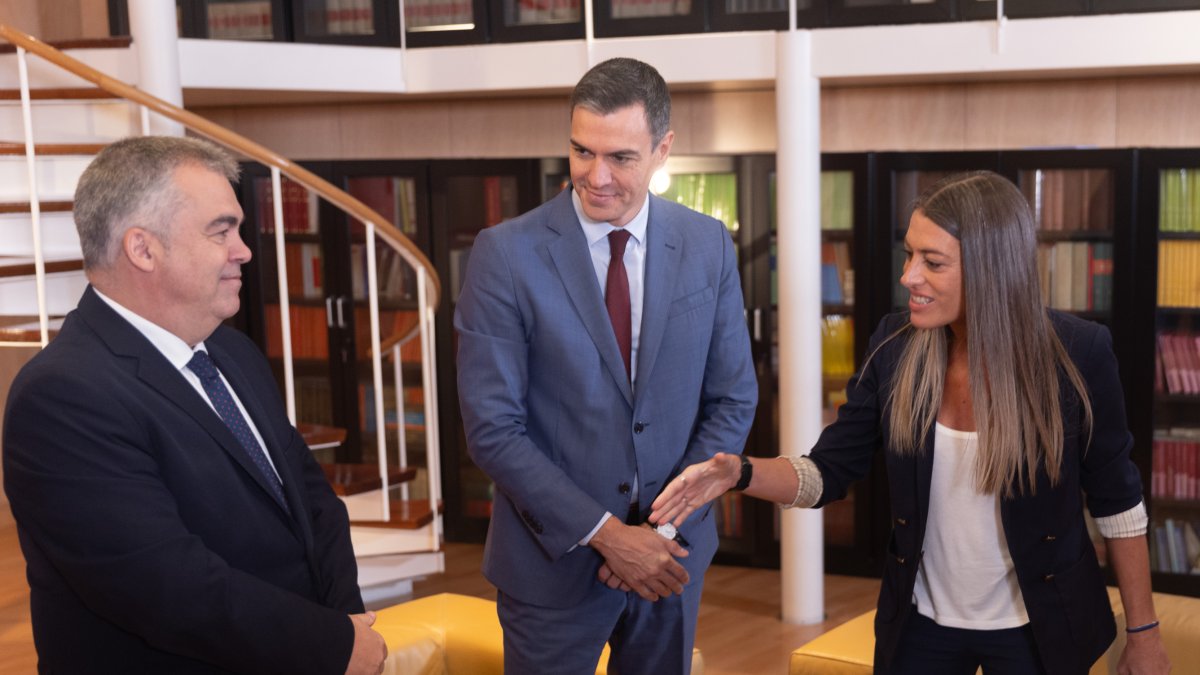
(85, 43)
(11, 148)
(44, 207)
(27, 329)
(352, 479)
(24, 266)
(407, 514)
(318, 436)
(59, 94)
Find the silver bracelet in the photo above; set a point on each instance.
(808, 482)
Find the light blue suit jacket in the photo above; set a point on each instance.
(549, 413)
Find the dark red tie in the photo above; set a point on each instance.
(616, 295)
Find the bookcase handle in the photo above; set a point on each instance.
(329, 312)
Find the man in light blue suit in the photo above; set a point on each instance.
(588, 378)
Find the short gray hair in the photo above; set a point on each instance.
(131, 184)
(621, 82)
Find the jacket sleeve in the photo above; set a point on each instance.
(493, 386)
(845, 448)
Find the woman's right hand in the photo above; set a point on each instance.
(694, 487)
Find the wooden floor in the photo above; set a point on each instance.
(739, 631)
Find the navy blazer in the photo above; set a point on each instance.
(1060, 579)
(549, 412)
(152, 544)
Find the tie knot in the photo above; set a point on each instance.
(202, 365)
(616, 242)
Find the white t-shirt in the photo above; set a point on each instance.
(966, 578)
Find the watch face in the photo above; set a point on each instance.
(667, 530)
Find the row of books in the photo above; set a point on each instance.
(414, 415)
(837, 346)
(1175, 547)
(396, 279)
(1179, 200)
(1178, 273)
(1076, 275)
(1070, 199)
(1174, 473)
(391, 322)
(533, 12)
(393, 197)
(305, 271)
(1177, 363)
(632, 9)
(314, 401)
(342, 17)
(299, 207)
(837, 275)
(310, 338)
(837, 200)
(430, 13)
(756, 6)
(240, 20)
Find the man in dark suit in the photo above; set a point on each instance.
(602, 347)
(172, 519)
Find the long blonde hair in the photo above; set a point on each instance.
(1014, 355)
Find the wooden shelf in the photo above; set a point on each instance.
(318, 436)
(352, 479)
(407, 514)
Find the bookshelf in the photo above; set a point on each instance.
(1169, 242)
(360, 22)
(880, 12)
(1022, 9)
(626, 18)
(233, 19)
(526, 20)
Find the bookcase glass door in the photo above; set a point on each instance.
(734, 15)
(620, 18)
(369, 22)
(233, 19)
(430, 23)
(1174, 471)
(467, 197)
(397, 192)
(306, 260)
(520, 20)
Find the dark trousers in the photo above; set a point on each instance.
(654, 638)
(929, 649)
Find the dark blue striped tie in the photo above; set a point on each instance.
(202, 365)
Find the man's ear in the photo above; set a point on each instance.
(141, 248)
(663, 150)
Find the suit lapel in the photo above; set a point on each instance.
(156, 372)
(663, 252)
(574, 264)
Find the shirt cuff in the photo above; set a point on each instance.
(808, 482)
(1131, 523)
(588, 538)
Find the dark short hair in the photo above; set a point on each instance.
(622, 82)
(131, 184)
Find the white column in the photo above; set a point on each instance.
(156, 43)
(798, 162)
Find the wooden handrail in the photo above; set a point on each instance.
(386, 231)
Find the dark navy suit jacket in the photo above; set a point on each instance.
(549, 412)
(1061, 582)
(151, 543)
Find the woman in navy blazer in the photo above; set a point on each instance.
(1001, 420)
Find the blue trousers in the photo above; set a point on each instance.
(645, 637)
(929, 649)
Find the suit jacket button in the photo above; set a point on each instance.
(1048, 577)
(1049, 538)
(624, 488)
(639, 427)
(900, 559)
(901, 521)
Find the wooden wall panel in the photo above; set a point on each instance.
(903, 117)
(12, 359)
(1041, 114)
(533, 127)
(417, 130)
(1159, 111)
(23, 15)
(727, 122)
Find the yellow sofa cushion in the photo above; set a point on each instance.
(849, 648)
(451, 634)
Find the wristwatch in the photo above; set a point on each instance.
(747, 472)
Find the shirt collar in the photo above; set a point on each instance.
(171, 345)
(595, 230)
